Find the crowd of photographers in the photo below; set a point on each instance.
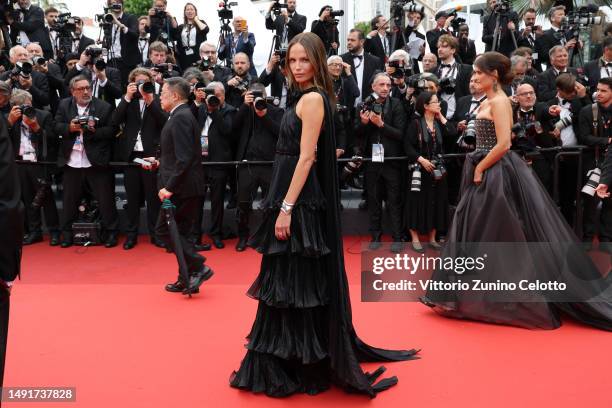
(400, 93)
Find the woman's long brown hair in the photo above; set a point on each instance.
(315, 51)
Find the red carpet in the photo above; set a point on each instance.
(99, 320)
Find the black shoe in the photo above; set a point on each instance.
(32, 238)
(241, 245)
(375, 242)
(218, 243)
(197, 279)
(397, 247)
(363, 205)
(130, 243)
(231, 204)
(202, 247)
(158, 243)
(66, 243)
(176, 287)
(111, 241)
(54, 239)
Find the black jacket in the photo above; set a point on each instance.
(180, 168)
(592, 71)
(112, 89)
(415, 141)
(46, 135)
(371, 64)
(98, 145)
(295, 26)
(506, 44)
(129, 41)
(467, 51)
(536, 47)
(221, 138)
(184, 60)
(275, 79)
(39, 88)
(546, 42)
(391, 135)
(257, 136)
(546, 84)
(328, 33)
(57, 88)
(346, 91)
(462, 79)
(432, 39)
(33, 25)
(150, 126)
(375, 46)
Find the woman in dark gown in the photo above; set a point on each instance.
(303, 339)
(502, 201)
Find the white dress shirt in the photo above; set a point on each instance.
(78, 156)
(359, 67)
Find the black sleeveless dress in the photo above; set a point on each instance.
(302, 339)
(512, 206)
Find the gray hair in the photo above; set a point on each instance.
(555, 49)
(21, 97)
(194, 73)
(13, 50)
(401, 55)
(209, 44)
(334, 58)
(217, 86)
(517, 59)
(78, 78)
(5, 89)
(379, 75)
(180, 86)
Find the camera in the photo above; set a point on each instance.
(440, 171)
(469, 135)
(87, 122)
(277, 7)
(226, 12)
(417, 82)
(211, 99)
(341, 108)
(65, 23)
(503, 6)
(563, 123)
(164, 69)
(243, 84)
(351, 168)
(23, 69)
(147, 87)
(371, 104)
(106, 18)
(28, 110)
(336, 13)
(203, 65)
(260, 103)
(281, 52)
(415, 182)
(593, 177)
(39, 60)
(399, 69)
(448, 85)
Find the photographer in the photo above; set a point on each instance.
(467, 48)
(363, 64)
(379, 42)
(189, 36)
(80, 42)
(49, 42)
(32, 135)
(209, 64)
(53, 73)
(84, 125)
(21, 76)
(411, 38)
(159, 63)
(601, 67)
(326, 28)
(426, 205)
(141, 118)
(597, 132)
(274, 75)
(454, 77)
(217, 139)
(123, 53)
(27, 23)
(530, 37)
(144, 38)
(237, 83)
(554, 35)
(105, 80)
(287, 22)
(240, 42)
(467, 108)
(500, 11)
(546, 80)
(379, 134)
(257, 126)
(398, 68)
(162, 25)
(439, 30)
(346, 91)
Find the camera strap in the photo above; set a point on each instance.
(595, 110)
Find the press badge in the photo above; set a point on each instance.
(29, 156)
(378, 153)
(534, 56)
(188, 51)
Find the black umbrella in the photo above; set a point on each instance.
(175, 239)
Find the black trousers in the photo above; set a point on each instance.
(217, 180)
(385, 177)
(184, 215)
(29, 174)
(592, 225)
(141, 186)
(101, 182)
(5, 302)
(250, 178)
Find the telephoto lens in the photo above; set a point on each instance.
(415, 184)
(592, 182)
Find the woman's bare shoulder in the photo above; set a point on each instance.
(310, 103)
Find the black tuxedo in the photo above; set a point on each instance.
(462, 79)
(33, 25)
(130, 55)
(328, 33)
(180, 172)
(39, 89)
(11, 223)
(57, 88)
(467, 52)
(110, 92)
(546, 84)
(84, 42)
(295, 26)
(375, 46)
(432, 39)
(505, 43)
(371, 64)
(592, 70)
(43, 142)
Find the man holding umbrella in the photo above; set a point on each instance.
(181, 182)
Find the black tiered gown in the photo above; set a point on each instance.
(303, 339)
(512, 206)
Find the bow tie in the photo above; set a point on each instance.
(445, 65)
(525, 113)
(359, 57)
(477, 102)
(563, 101)
(609, 64)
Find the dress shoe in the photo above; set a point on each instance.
(218, 243)
(231, 204)
(416, 245)
(158, 242)
(176, 287)
(241, 245)
(202, 247)
(111, 241)
(375, 242)
(397, 246)
(130, 243)
(32, 238)
(196, 280)
(54, 239)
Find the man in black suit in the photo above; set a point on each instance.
(86, 148)
(239, 79)
(160, 63)
(411, 37)
(547, 88)
(451, 70)
(274, 75)
(257, 131)
(379, 42)
(141, 118)
(105, 80)
(80, 41)
(36, 83)
(181, 179)
(529, 37)
(439, 30)
(11, 225)
(363, 64)
(386, 129)
(123, 53)
(327, 30)
(601, 67)
(31, 134)
(287, 24)
(53, 73)
(50, 41)
(29, 27)
(467, 47)
(508, 21)
(215, 119)
(554, 36)
(214, 71)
